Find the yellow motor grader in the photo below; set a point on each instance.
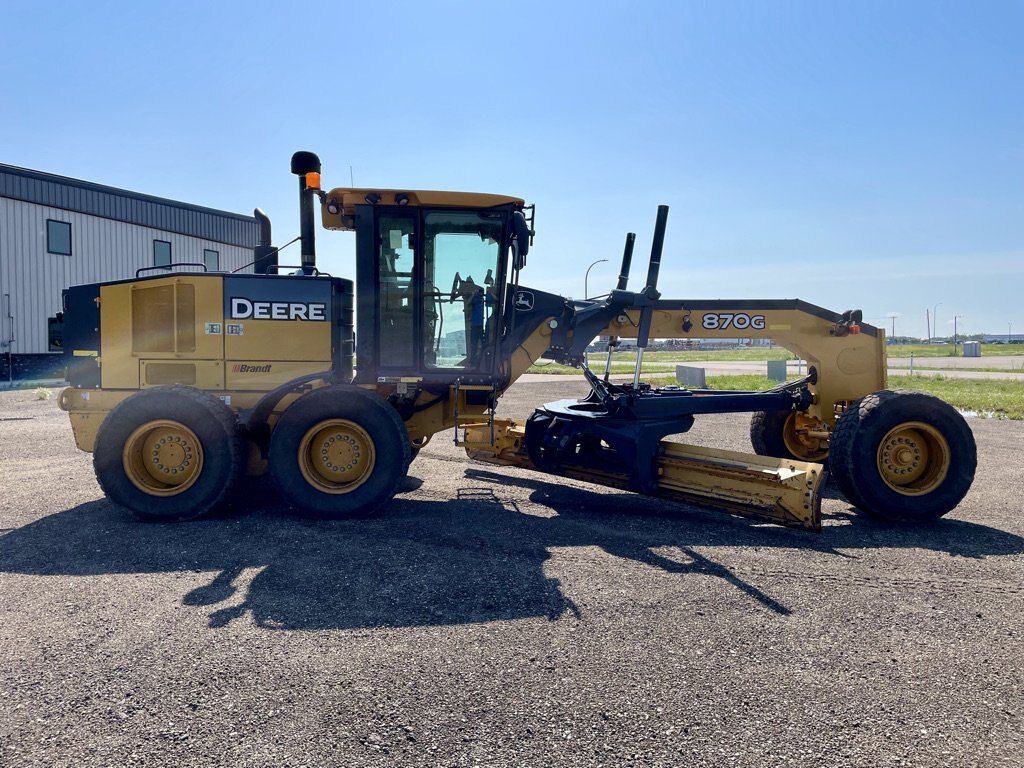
(182, 382)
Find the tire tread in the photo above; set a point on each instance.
(155, 400)
(338, 401)
(853, 452)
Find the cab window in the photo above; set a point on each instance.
(395, 294)
(460, 299)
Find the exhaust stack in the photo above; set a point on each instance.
(264, 254)
(305, 165)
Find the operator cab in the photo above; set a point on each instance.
(431, 273)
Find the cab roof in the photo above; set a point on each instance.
(345, 199)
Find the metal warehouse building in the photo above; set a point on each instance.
(56, 232)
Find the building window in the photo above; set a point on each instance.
(161, 253)
(58, 237)
(212, 260)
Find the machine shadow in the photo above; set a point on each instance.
(419, 563)
(475, 558)
(699, 526)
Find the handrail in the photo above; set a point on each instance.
(168, 267)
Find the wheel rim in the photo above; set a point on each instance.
(798, 442)
(913, 458)
(163, 458)
(336, 456)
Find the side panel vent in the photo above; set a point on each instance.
(169, 373)
(164, 318)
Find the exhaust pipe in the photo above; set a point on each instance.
(302, 164)
(264, 254)
(264, 222)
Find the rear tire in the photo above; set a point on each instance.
(903, 456)
(339, 452)
(775, 433)
(168, 453)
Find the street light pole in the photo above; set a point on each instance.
(935, 319)
(586, 293)
(955, 318)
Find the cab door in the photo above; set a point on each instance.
(396, 294)
(461, 275)
(430, 284)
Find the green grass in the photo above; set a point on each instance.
(972, 369)
(674, 356)
(625, 362)
(622, 362)
(1000, 398)
(597, 367)
(567, 370)
(751, 382)
(946, 350)
(778, 353)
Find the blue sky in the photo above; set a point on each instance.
(852, 154)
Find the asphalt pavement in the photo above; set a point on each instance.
(501, 617)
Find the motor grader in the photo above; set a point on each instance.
(181, 382)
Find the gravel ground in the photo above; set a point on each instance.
(502, 617)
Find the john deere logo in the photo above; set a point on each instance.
(524, 301)
(243, 368)
(247, 309)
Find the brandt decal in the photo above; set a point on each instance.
(243, 368)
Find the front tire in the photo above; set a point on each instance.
(783, 434)
(339, 452)
(168, 453)
(903, 456)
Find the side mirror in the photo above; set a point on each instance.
(520, 239)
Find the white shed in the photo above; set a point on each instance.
(56, 232)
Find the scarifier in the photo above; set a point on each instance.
(183, 382)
